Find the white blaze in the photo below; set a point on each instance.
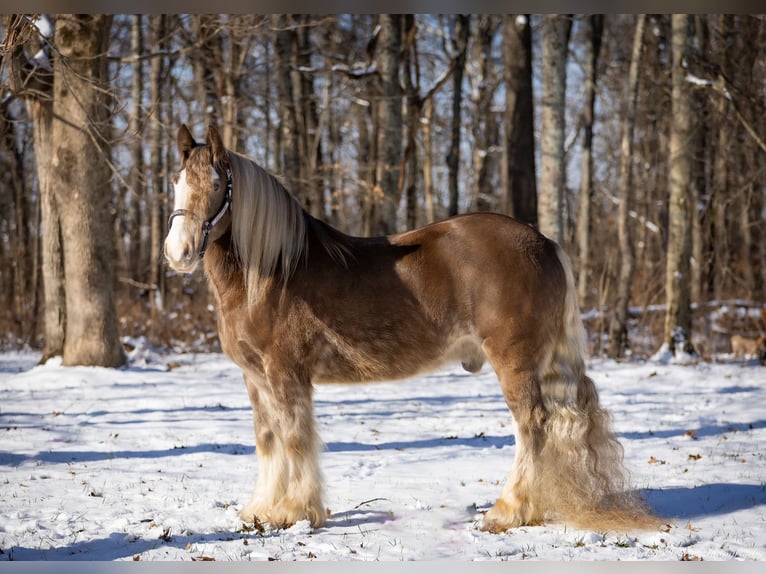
(178, 241)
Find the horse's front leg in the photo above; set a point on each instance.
(302, 499)
(290, 488)
(271, 483)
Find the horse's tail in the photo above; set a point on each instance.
(581, 474)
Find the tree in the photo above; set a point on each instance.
(135, 192)
(81, 181)
(158, 83)
(414, 109)
(19, 214)
(389, 126)
(721, 166)
(678, 316)
(618, 328)
(206, 62)
(298, 138)
(736, 202)
(309, 121)
(419, 119)
(32, 77)
(702, 143)
(746, 182)
(595, 30)
(460, 48)
(288, 138)
(550, 207)
(485, 128)
(518, 160)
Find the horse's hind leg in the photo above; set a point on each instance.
(517, 505)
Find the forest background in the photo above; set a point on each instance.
(636, 141)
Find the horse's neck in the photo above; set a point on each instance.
(224, 272)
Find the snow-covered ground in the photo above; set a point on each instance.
(153, 461)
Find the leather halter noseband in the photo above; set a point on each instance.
(208, 225)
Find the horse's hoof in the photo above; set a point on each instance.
(287, 512)
(504, 516)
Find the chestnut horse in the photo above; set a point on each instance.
(300, 303)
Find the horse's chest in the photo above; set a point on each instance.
(245, 341)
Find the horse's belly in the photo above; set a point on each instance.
(361, 365)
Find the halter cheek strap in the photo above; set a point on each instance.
(209, 224)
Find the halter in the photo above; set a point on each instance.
(208, 225)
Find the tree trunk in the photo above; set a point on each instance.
(518, 172)
(699, 189)
(428, 180)
(36, 85)
(20, 236)
(335, 174)
(54, 291)
(206, 63)
(20, 239)
(389, 121)
(81, 180)
(747, 185)
(136, 192)
(550, 207)
(289, 144)
(231, 129)
(157, 86)
(366, 127)
(237, 42)
(721, 179)
(678, 318)
(414, 106)
(595, 32)
(462, 31)
(485, 132)
(309, 126)
(618, 328)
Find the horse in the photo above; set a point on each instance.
(301, 303)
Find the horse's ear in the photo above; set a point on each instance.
(185, 142)
(218, 152)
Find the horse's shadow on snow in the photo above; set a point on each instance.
(685, 503)
(118, 546)
(701, 432)
(358, 518)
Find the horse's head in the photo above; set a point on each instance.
(202, 199)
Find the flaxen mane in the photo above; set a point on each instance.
(268, 224)
(270, 228)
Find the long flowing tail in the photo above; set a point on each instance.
(580, 469)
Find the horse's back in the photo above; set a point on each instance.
(489, 240)
(493, 262)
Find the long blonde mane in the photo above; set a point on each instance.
(268, 224)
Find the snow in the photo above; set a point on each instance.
(45, 27)
(152, 462)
